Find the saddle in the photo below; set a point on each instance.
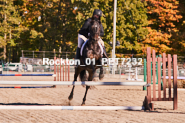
(83, 45)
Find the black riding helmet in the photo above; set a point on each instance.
(97, 12)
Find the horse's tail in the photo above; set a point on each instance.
(83, 76)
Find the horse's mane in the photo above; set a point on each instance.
(93, 20)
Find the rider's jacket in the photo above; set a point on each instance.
(85, 28)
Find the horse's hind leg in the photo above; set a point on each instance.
(87, 87)
(77, 71)
(71, 94)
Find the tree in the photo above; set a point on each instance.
(9, 24)
(50, 23)
(178, 38)
(126, 32)
(163, 15)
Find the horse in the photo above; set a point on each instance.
(92, 52)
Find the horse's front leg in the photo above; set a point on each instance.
(77, 71)
(84, 99)
(91, 74)
(101, 75)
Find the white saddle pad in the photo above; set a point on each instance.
(86, 42)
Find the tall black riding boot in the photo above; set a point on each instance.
(77, 57)
(104, 53)
(77, 53)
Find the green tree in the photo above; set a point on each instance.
(10, 24)
(50, 24)
(127, 34)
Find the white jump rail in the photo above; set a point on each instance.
(18, 107)
(72, 83)
(178, 77)
(72, 107)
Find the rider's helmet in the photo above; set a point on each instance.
(97, 12)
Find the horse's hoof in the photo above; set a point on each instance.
(92, 87)
(70, 98)
(69, 103)
(101, 76)
(95, 79)
(83, 104)
(54, 86)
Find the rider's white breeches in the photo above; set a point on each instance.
(101, 42)
(82, 38)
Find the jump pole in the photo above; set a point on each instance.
(178, 77)
(57, 75)
(29, 87)
(72, 107)
(73, 83)
(21, 87)
(26, 74)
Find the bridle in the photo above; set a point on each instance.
(95, 32)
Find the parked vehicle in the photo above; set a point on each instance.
(13, 66)
(17, 67)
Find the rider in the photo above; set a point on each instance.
(83, 34)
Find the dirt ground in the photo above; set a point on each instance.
(98, 96)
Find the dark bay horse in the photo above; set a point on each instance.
(91, 51)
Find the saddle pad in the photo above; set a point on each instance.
(84, 45)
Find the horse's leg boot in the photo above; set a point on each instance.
(101, 75)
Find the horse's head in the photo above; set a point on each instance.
(95, 30)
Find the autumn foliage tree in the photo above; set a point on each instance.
(162, 17)
(44, 25)
(178, 39)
